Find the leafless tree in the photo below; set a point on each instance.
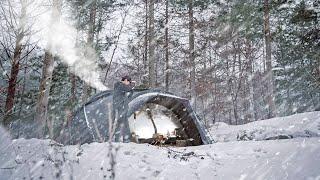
(14, 40)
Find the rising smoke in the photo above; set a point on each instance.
(60, 37)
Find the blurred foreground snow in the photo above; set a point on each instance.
(257, 158)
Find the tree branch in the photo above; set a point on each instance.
(116, 46)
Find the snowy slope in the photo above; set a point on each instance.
(296, 158)
(298, 125)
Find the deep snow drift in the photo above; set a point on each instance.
(253, 157)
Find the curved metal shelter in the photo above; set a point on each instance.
(91, 122)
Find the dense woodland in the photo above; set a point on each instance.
(237, 61)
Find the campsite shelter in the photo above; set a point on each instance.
(91, 122)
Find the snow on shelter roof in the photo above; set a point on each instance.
(90, 122)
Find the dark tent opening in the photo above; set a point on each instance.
(154, 117)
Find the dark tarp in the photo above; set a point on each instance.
(91, 121)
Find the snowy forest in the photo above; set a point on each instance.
(237, 61)
(237, 81)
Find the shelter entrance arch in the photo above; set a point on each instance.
(91, 121)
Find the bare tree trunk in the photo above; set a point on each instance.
(236, 84)
(41, 116)
(13, 81)
(73, 80)
(192, 54)
(72, 76)
(11, 90)
(145, 55)
(90, 44)
(269, 74)
(167, 48)
(249, 75)
(214, 94)
(44, 90)
(230, 76)
(23, 88)
(152, 73)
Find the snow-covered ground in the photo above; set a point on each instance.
(298, 125)
(295, 158)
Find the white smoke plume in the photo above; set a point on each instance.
(80, 60)
(60, 37)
